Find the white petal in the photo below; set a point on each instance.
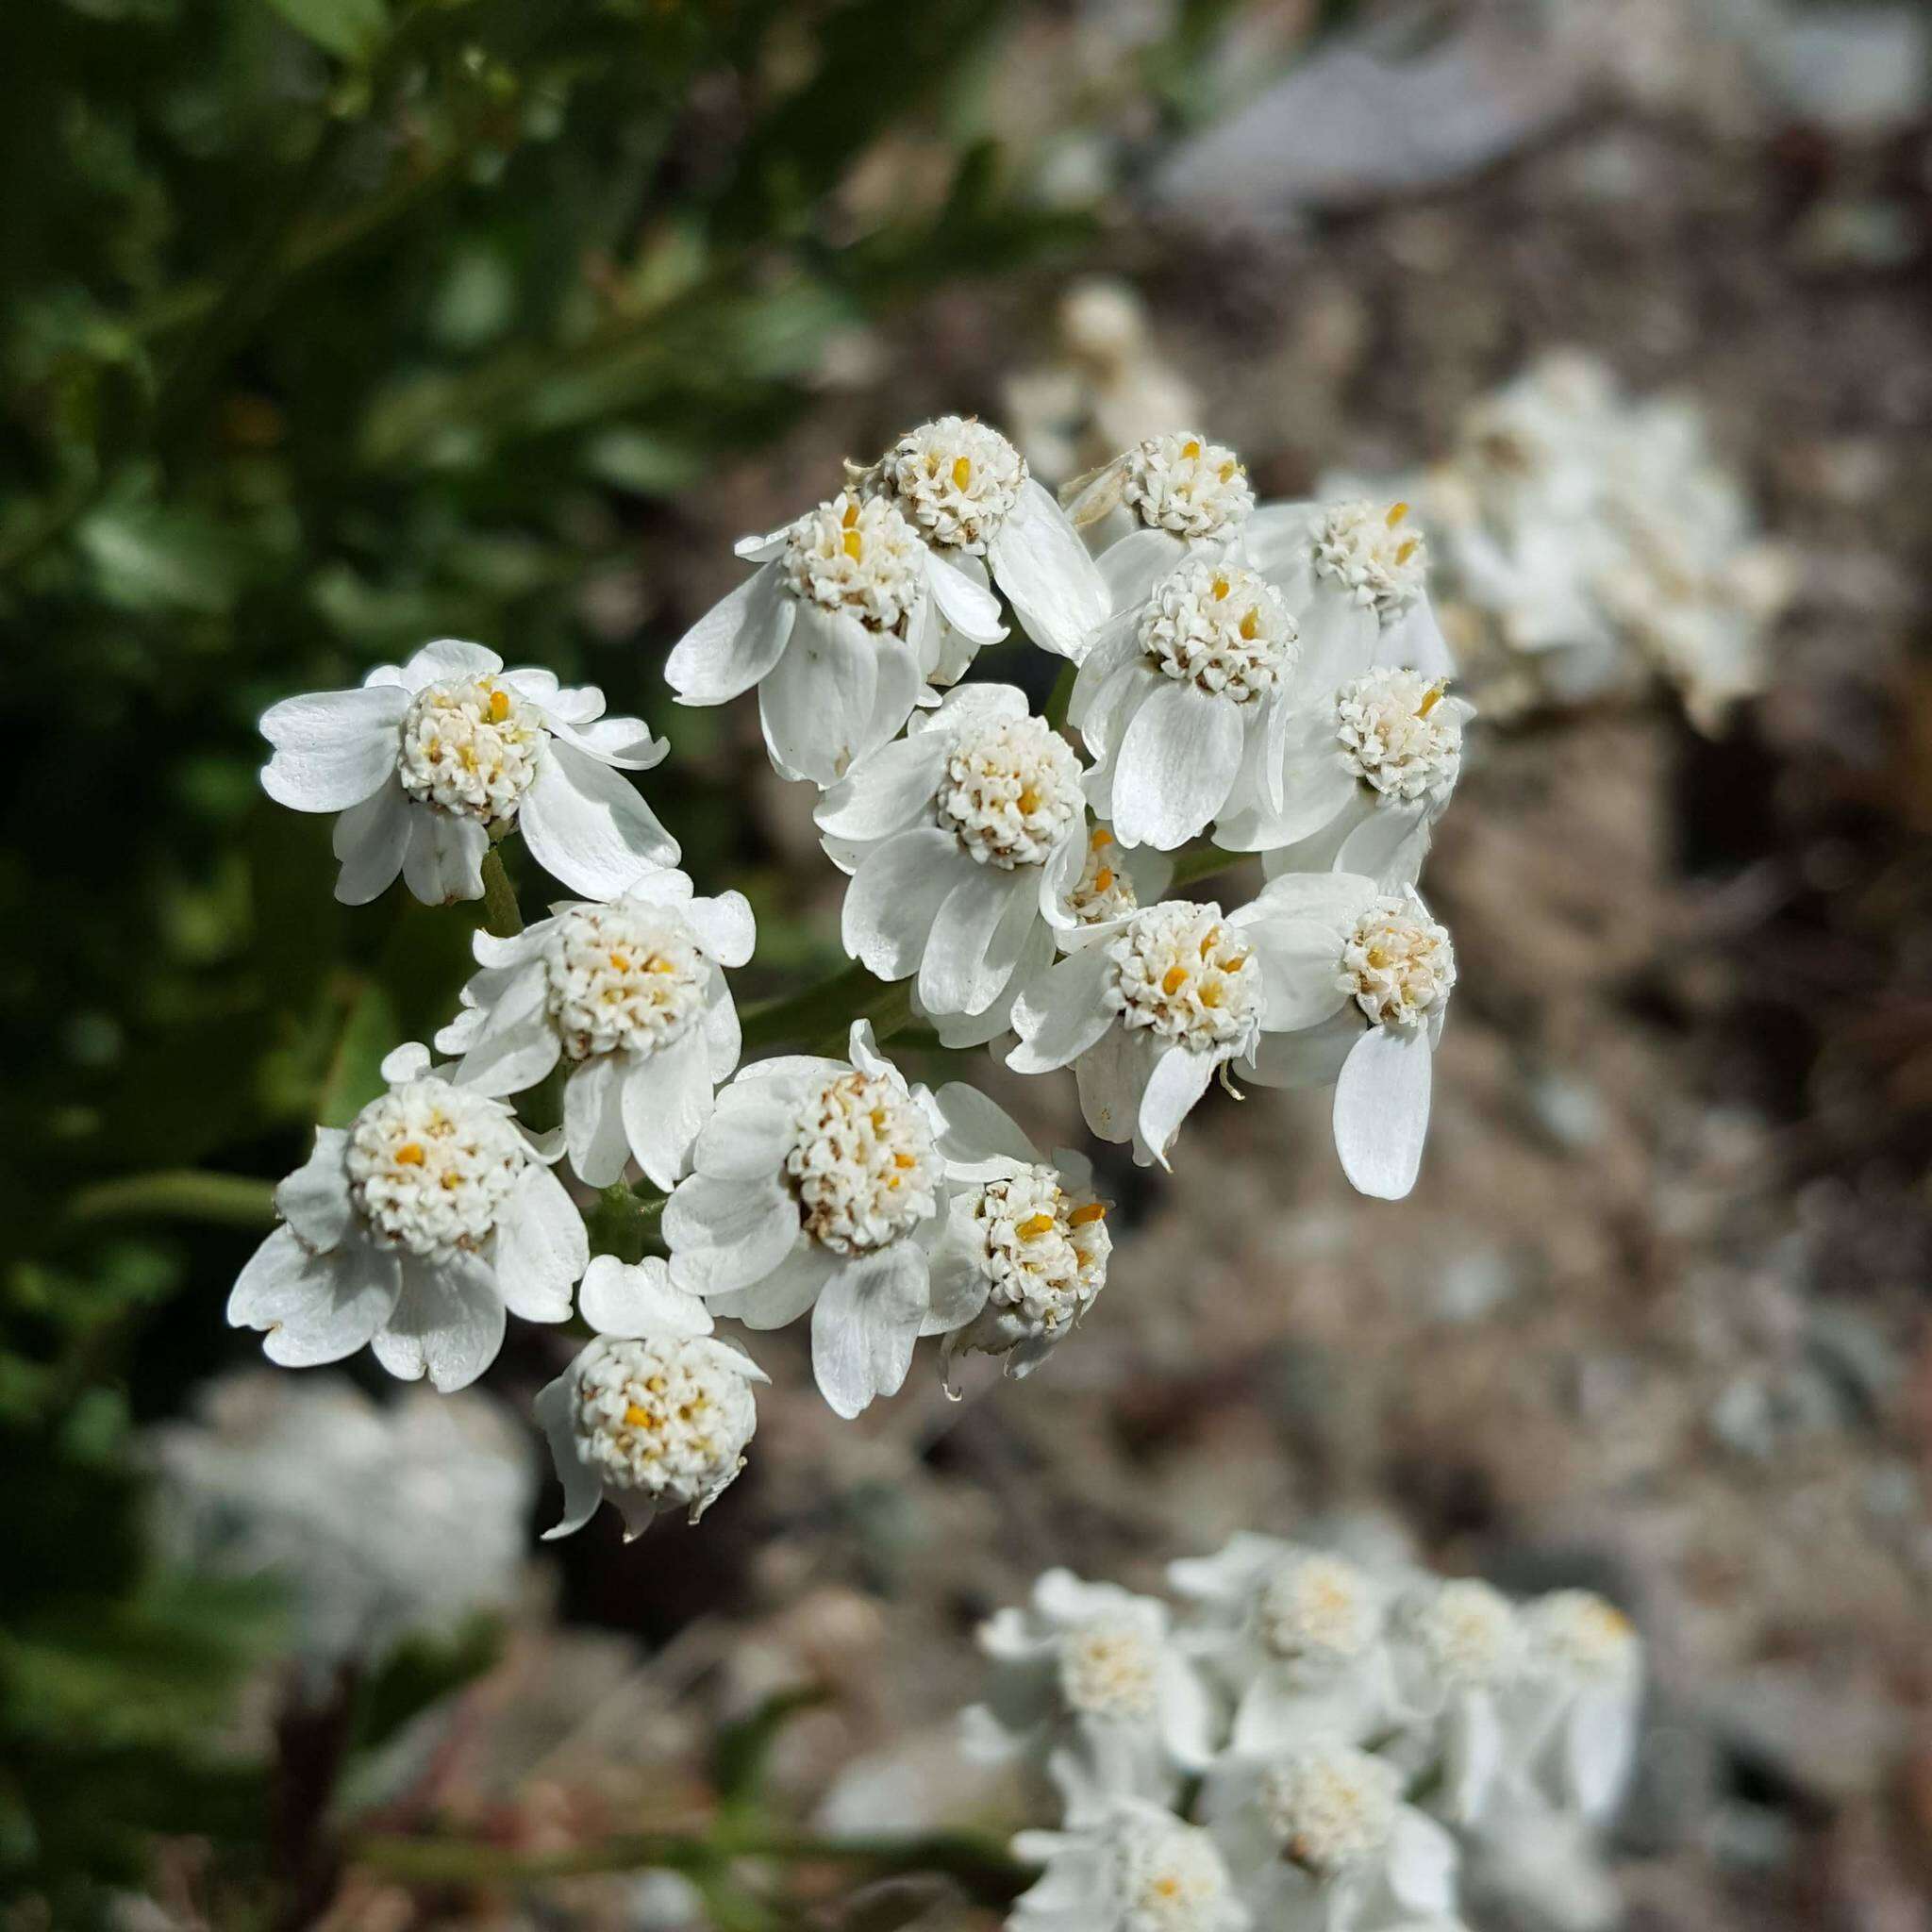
(1187, 1713)
(865, 1323)
(725, 926)
(1177, 762)
(590, 828)
(315, 1307)
(444, 859)
(639, 1298)
(370, 840)
(447, 1323)
(816, 703)
(542, 1248)
(593, 1119)
(666, 1100)
(624, 743)
(1112, 1075)
(895, 896)
(555, 1412)
(333, 749)
(960, 972)
(899, 686)
(888, 790)
(1179, 1078)
(1062, 1015)
(1132, 567)
(727, 1235)
(1334, 899)
(1382, 1110)
(749, 1134)
(1308, 1056)
(315, 1200)
(969, 606)
(1416, 641)
(409, 1062)
(1388, 845)
(1421, 1863)
(981, 1139)
(782, 1295)
(1301, 971)
(449, 658)
(1039, 560)
(735, 643)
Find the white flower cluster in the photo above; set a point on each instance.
(1269, 671)
(1586, 544)
(1308, 1745)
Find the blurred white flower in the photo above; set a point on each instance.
(1131, 1866)
(413, 1230)
(1572, 1721)
(817, 1185)
(632, 997)
(960, 840)
(1178, 698)
(1298, 1636)
(968, 491)
(1459, 1647)
(1358, 777)
(1357, 989)
(655, 1413)
(1319, 1839)
(274, 1478)
(847, 617)
(1089, 1684)
(428, 761)
(1164, 496)
(1024, 1250)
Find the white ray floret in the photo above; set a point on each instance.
(1024, 1249)
(1570, 1723)
(412, 1231)
(631, 997)
(1089, 1684)
(817, 1186)
(1132, 1867)
(839, 629)
(657, 1412)
(967, 490)
(430, 760)
(961, 839)
(1181, 696)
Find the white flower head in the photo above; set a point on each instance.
(1354, 780)
(631, 998)
(1298, 1635)
(413, 1230)
(1358, 991)
(1132, 1867)
(967, 490)
(961, 839)
(846, 618)
(429, 761)
(1570, 1723)
(1180, 487)
(817, 1185)
(1320, 1835)
(1371, 552)
(1583, 1637)
(273, 1477)
(657, 1412)
(1178, 699)
(1024, 1251)
(1088, 1682)
(1144, 1010)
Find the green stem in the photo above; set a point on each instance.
(227, 1200)
(502, 916)
(980, 1865)
(821, 1017)
(1060, 696)
(1205, 860)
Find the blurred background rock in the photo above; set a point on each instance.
(327, 326)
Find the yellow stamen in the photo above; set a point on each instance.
(621, 961)
(1430, 702)
(1408, 550)
(1103, 879)
(1028, 799)
(1221, 588)
(854, 546)
(851, 515)
(1081, 1216)
(1034, 1226)
(1229, 471)
(1210, 993)
(904, 1161)
(963, 471)
(1209, 939)
(1190, 449)
(638, 1418)
(1173, 979)
(499, 707)
(410, 1155)
(1250, 624)
(1396, 512)
(1101, 837)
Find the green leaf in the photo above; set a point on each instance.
(348, 29)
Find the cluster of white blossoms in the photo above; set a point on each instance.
(1310, 1743)
(1269, 672)
(1586, 544)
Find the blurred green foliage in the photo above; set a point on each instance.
(325, 326)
